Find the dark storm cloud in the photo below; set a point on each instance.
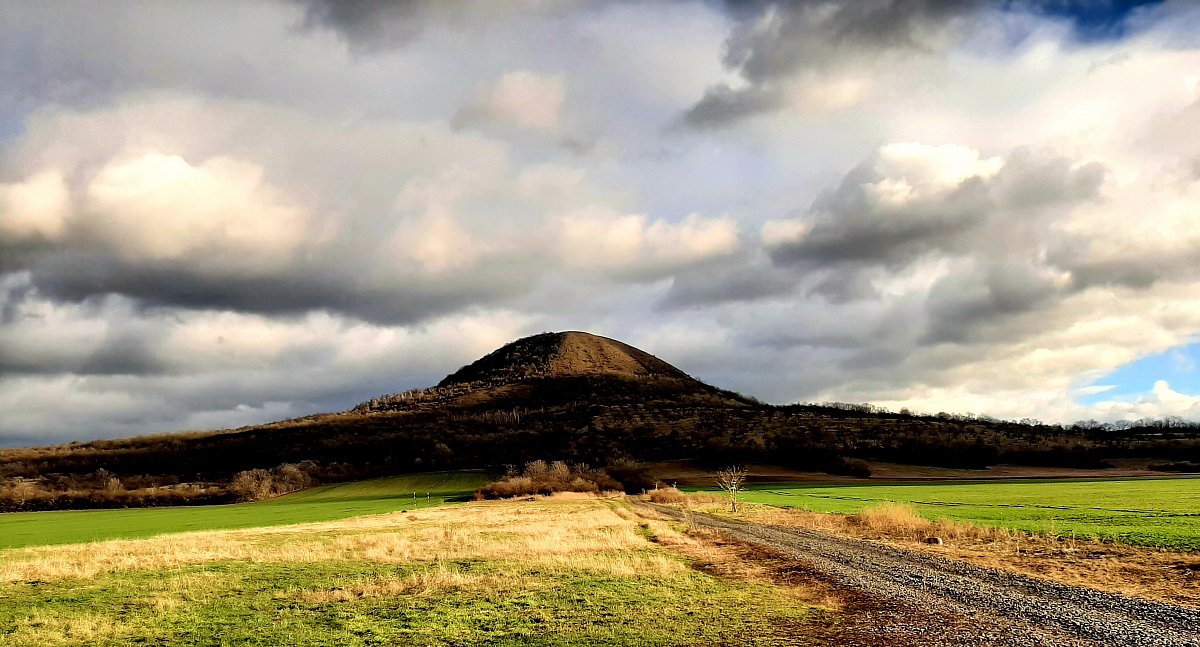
(14, 289)
(960, 304)
(804, 34)
(847, 338)
(123, 354)
(738, 281)
(31, 342)
(401, 299)
(846, 284)
(16, 255)
(996, 223)
(372, 23)
(722, 105)
(385, 24)
(875, 358)
(772, 41)
(1135, 269)
(844, 235)
(852, 227)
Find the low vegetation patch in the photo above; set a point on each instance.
(666, 495)
(580, 572)
(690, 499)
(540, 477)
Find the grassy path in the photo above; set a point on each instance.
(322, 503)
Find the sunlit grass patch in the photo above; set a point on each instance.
(1159, 513)
(505, 573)
(322, 503)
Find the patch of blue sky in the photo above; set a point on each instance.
(1094, 20)
(1179, 366)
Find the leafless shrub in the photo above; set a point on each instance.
(731, 479)
(252, 485)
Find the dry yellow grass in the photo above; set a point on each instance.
(49, 630)
(442, 576)
(477, 530)
(894, 518)
(665, 495)
(87, 560)
(550, 537)
(503, 552)
(435, 578)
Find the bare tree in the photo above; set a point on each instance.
(731, 479)
(22, 489)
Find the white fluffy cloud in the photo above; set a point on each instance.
(1161, 401)
(632, 244)
(219, 213)
(523, 99)
(36, 207)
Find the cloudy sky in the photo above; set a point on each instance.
(221, 213)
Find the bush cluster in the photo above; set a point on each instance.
(540, 477)
(666, 495)
(21, 494)
(259, 484)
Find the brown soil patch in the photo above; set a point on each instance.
(581, 353)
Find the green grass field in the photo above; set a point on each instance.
(1157, 512)
(322, 503)
(582, 572)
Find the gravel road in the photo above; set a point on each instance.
(932, 600)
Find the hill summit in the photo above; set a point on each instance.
(558, 371)
(562, 354)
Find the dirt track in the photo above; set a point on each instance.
(920, 599)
